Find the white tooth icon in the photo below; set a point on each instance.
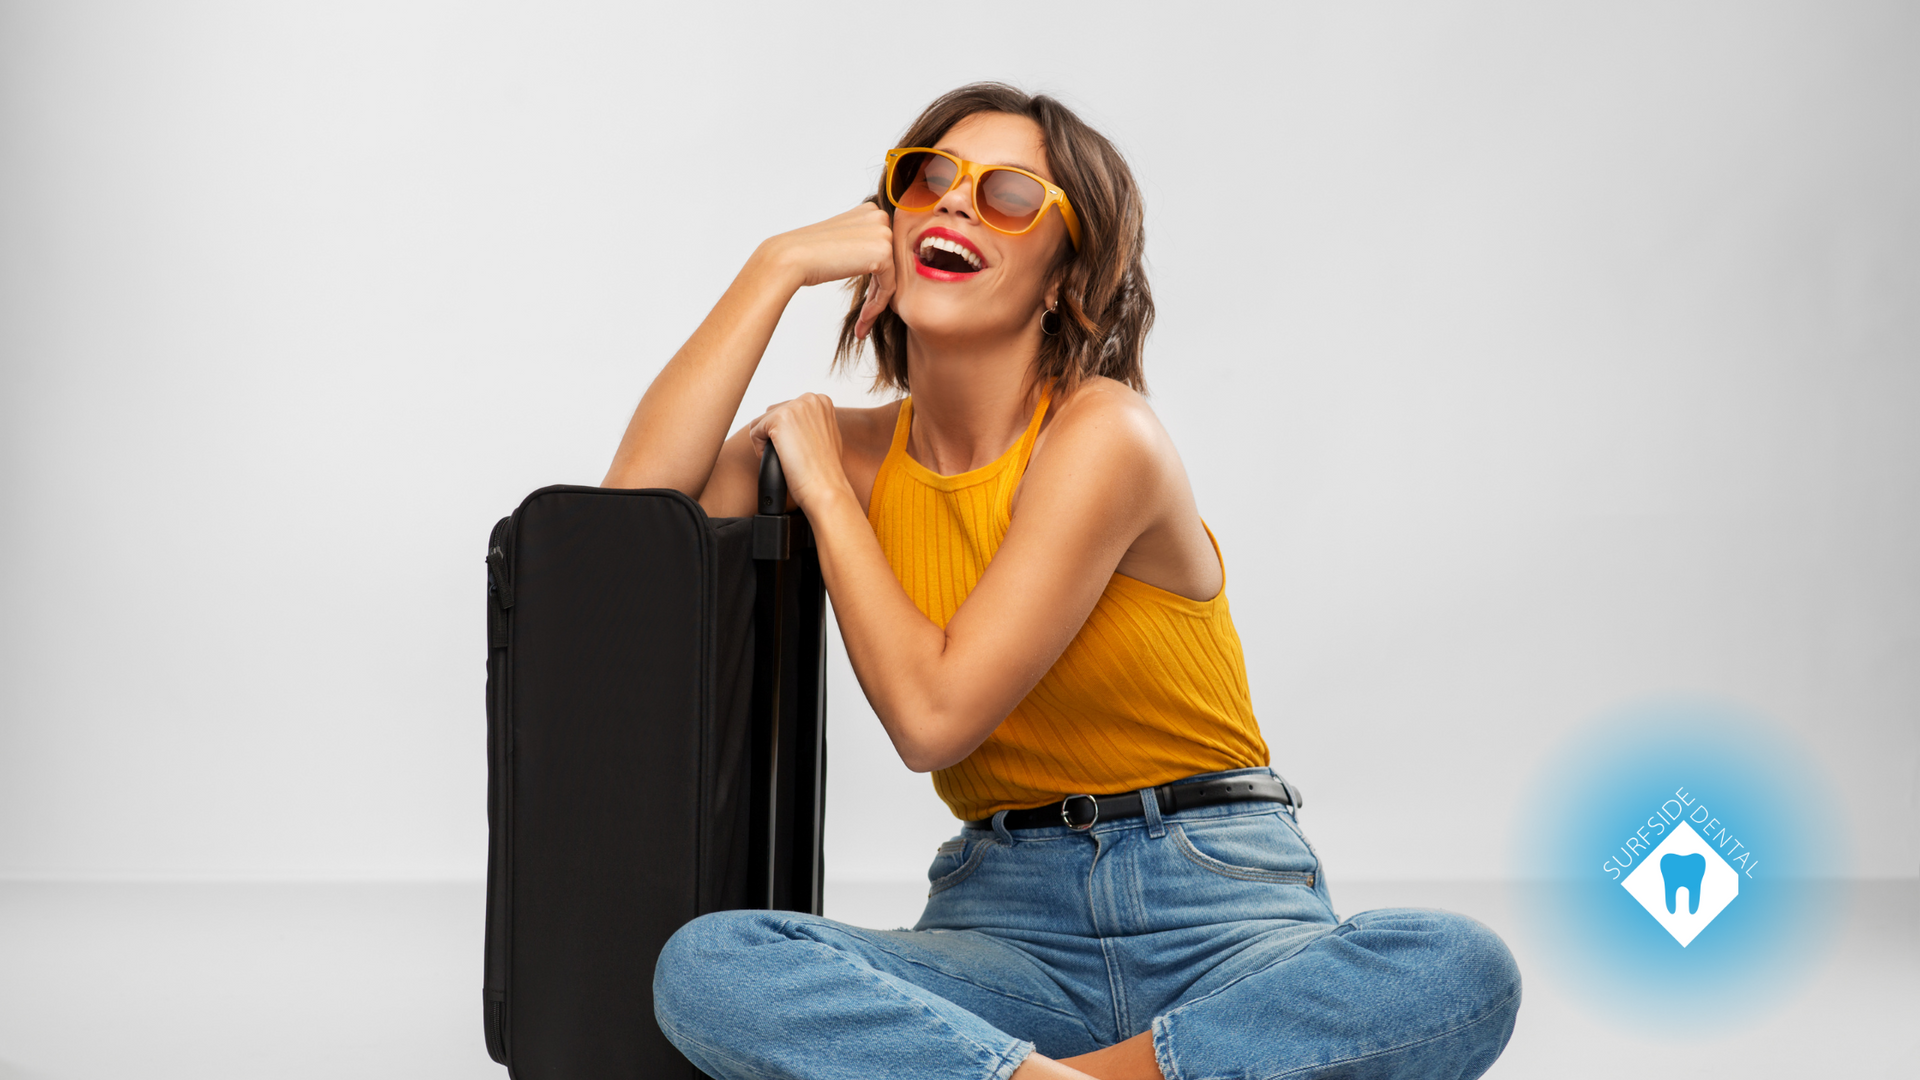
(1684, 861)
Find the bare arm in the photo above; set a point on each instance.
(677, 432)
(1109, 476)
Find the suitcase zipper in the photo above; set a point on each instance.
(499, 585)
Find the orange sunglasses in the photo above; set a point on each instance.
(1007, 199)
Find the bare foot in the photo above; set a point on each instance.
(1129, 1060)
(1037, 1067)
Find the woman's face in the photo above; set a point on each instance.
(938, 295)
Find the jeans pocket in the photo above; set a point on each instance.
(955, 862)
(1250, 847)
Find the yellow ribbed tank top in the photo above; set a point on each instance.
(1152, 688)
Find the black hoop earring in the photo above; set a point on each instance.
(1050, 328)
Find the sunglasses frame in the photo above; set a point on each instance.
(975, 171)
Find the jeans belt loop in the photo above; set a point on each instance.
(1000, 830)
(1150, 805)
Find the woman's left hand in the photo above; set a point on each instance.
(806, 432)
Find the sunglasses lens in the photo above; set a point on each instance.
(1010, 200)
(920, 179)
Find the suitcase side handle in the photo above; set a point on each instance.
(772, 526)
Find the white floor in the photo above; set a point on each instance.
(370, 981)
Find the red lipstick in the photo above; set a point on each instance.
(951, 261)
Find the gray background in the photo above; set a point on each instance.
(1527, 359)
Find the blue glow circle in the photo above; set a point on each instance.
(1605, 784)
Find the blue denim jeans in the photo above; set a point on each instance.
(1212, 928)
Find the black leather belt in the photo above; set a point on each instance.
(1080, 812)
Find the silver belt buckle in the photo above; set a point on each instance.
(1092, 812)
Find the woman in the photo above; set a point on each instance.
(1036, 611)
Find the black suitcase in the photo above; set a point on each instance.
(656, 705)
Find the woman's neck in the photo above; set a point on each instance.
(969, 404)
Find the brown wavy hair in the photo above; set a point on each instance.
(1105, 306)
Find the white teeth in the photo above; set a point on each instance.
(943, 244)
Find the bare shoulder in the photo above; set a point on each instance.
(866, 434)
(1108, 421)
(1104, 440)
(867, 430)
(1116, 459)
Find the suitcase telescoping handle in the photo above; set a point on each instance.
(790, 705)
(772, 525)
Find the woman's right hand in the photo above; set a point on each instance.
(857, 242)
(679, 429)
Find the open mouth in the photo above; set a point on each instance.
(947, 253)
